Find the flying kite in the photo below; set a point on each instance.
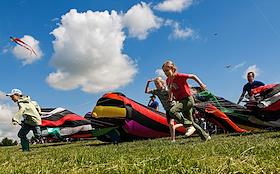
(23, 44)
(228, 66)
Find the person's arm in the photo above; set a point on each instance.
(147, 90)
(38, 108)
(262, 84)
(19, 113)
(149, 102)
(195, 78)
(241, 97)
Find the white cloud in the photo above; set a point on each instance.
(5, 50)
(55, 19)
(3, 96)
(88, 53)
(88, 47)
(25, 55)
(159, 72)
(254, 69)
(178, 32)
(239, 66)
(6, 113)
(174, 5)
(140, 20)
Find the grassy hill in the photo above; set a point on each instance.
(249, 153)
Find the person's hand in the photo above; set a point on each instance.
(14, 122)
(171, 102)
(203, 87)
(150, 80)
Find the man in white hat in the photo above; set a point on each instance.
(30, 111)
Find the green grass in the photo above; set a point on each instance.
(256, 153)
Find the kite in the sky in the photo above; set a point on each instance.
(23, 44)
(228, 66)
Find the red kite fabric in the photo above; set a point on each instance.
(23, 44)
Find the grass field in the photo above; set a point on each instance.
(250, 153)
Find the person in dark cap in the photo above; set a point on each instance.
(153, 103)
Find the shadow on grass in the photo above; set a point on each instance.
(275, 136)
(50, 145)
(99, 144)
(251, 133)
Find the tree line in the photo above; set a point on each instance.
(8, 142)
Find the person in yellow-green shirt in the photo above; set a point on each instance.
(30, 111)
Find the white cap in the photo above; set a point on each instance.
(14, 91)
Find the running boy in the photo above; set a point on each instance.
(29, 110)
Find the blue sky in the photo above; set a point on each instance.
(81, 56)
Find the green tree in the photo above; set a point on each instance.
(15, 143)
(8, 142)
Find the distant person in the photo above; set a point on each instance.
(249, 86)
(30, 111)
(180, 91)
(153, 103)
(203, 124)
(161, 92)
